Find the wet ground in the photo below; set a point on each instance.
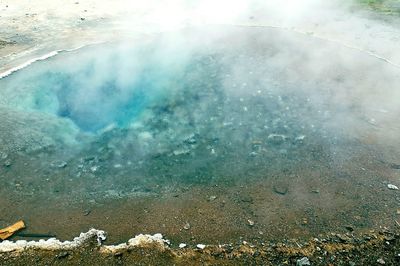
(207, 155)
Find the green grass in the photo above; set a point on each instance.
(389, 7)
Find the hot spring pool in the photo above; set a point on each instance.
(210, 108)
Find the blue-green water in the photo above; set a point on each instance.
(232, 131)
(169, 110)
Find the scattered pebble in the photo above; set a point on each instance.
(276, 139)
(393, 187)
(211, 198)
(186, 226)
(350, 228)
(246, 199)
(62, 165)
(62, 255)
(86, 212)
(59, 164)
(250, 222)
(300, 138)
(182, 245)
(395, 166)
(303, 261)
(201, 246)
(281, 188)
(380, 261)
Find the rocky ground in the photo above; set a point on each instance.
(373, 248)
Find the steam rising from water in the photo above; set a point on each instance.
(207, 100)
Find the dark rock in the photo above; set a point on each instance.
(62, 255)
(350, 228)
(395, 166)
(246, 199)
(280, 189)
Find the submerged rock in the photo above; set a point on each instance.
(303, 262)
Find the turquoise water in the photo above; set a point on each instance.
(126, 117)
(94, 93)
(232, 131)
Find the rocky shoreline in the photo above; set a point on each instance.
(373, 248)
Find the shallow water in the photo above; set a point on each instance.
(215, 127)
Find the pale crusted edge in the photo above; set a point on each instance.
(54, 244)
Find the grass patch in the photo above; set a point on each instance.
(388, 7)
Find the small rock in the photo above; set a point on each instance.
(182, 245)
(191, 139)
(62, 255)
(201, 246)
(182, 151)
(303, 261)
(3, 155)
(59, 164)
(380, 261)
(186, 226)
(246, 199)
(280, 188)
(86, 212)
(211, 198)
(62, 165)
(250, 222)
(350, 228)
(343, 238)
(393, 187)
(395, 166)
(118, 254)
(276, 139)
(253, 154)
(7, 163)
(300, 138)
(82, 19)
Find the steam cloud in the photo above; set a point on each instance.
(344, 65)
